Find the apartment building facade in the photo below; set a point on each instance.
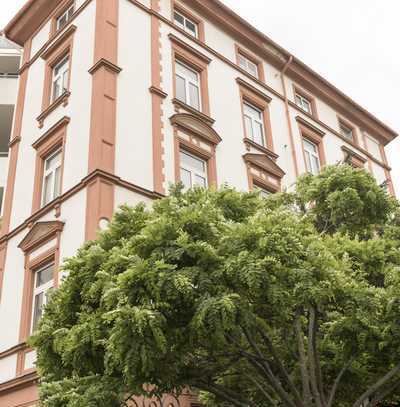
(9, 65)
(118, 99)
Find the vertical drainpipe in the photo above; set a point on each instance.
(291, 136)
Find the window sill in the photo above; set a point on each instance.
(62, 100)
(202, 116)
(250, 143)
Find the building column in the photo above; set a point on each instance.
(100, 195)
(157, 97)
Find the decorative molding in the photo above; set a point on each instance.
(250, 143)
(158, 91)
(74, 190)
(12, 385)
(13, 350)
(353, 158)
(59, 41)
(62, 100)
(39, 233)
(309, 126)
(254, 90)
(104, 63)
(190, 49)
(197, 126)
(202, 116)
(14, 141)
(61, 123)
(264, 162)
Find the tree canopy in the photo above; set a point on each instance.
(287, 301)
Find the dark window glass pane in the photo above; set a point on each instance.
(45, 275)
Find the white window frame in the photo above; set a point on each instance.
(193, 171)
(42, 289)
(246, 65)
(254, 120)
(184, 25)
(62, 76)
(303, 103)
(309, 154)
(188, 82)
(68, 13)
(346, 131)
(52, 171)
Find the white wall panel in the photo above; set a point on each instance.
(8, 367)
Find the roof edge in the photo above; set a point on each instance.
(31, 15)
(34, 12)
(282, 56)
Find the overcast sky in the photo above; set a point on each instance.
(351, 43)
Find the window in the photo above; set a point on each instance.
(346, 131)
(311, 156)
(253, 118)
(193, 171)
(43, 285)
(60, 78)
(187, 85)
(249, 66)
(263, 173)
(373, 146)
(264, 193)
(1, 199)
(52, 177)
(186, 24)
(63, 19)
(304, 103)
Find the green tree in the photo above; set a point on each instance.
(288, 301)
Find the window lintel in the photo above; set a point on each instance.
(194, 125)
(40, 233)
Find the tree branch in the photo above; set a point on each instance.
(312, 358)
(224, 393)
(281, 367)
(377, 386)
(381, 396)
(263, 391)
(305, 378)
(274, 381)
(337, 382)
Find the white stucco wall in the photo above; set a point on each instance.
(40, 38)
(124, 196)
(134, 149)
(8, 367)
(78, 109)
(11, 295)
